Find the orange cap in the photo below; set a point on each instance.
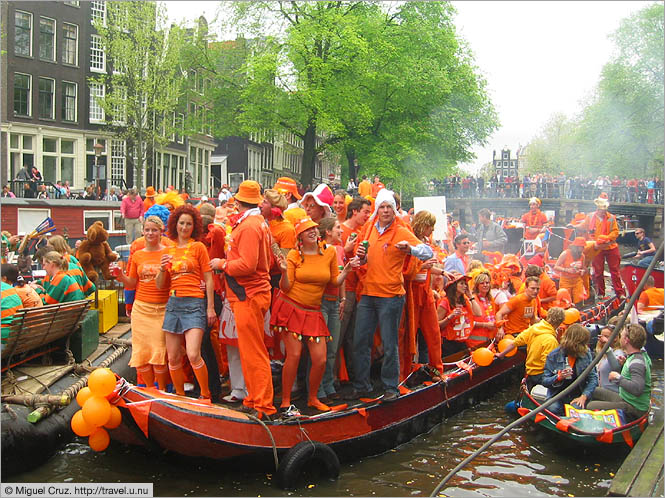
(305, 224)
(285, 184)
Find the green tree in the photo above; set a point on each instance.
(144, 84)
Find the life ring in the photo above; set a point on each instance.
(305, 454)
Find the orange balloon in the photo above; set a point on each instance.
(571, 315)
(503, 345)
(80, 426)
(97, 411)
(114, 419)
(83, 395)
(509, 336)
(101, 382)
(482, 357)
(99, 440)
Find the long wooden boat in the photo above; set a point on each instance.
(565, 429)
(26, 445)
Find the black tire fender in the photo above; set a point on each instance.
(303, 454)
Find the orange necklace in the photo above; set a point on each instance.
(178, 263)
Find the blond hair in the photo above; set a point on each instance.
(156, 220)
(59, 244)
(57, 258)
(421, 221)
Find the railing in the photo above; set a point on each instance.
(28, 189)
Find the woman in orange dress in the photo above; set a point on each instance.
(189, 310)
(148, 341)
(296, 311)
(484, 326)
(456, 312)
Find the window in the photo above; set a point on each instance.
(20, 153)
(28, 219)
(117, 161)
(97, 91)
(22, 94)
(98, 11)
(58, 159)
(69, 91)
(72, 3)
(180, 128)
(46, 98)
(89, 217)
(173, 126)
(46, 39)
(97, 55)
(22, 33)
(70, 52)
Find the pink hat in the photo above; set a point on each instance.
(323, 196)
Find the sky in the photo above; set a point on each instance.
(538, 57)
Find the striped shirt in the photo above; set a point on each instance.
(10, 302)
(61, 289)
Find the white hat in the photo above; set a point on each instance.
(323, 196)
(384, 195)
(204, 198)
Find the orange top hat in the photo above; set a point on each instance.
(305, 224)
(249, 191)
(285, 184)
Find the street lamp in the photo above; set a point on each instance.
(99, 148)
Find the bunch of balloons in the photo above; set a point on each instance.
(96, 414)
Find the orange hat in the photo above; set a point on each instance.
(456, 278)
(579, 217)
(304, 224)
(285, 184)
(249, 191)
(150, 192)
(579, 242)
(563, 296)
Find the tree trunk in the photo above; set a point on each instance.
(350, 157)
(309, 154)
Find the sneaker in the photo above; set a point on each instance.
(289, 412)
(389, 396)
(232, 399)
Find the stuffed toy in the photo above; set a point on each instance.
(95, 252)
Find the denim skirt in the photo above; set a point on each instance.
(184, 313)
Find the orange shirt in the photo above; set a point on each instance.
(537, 220)
(376, 187)
(187, 269)
(145, 268)
(351, 282)
(248, 259)
(364, 188)
(331, 291)
(607, 227)
(652, 297)
(547, 289)
(523, 310)
(284, 233)
(148, 202)
(460, 328)
(310, 277)
(29, 296)
(383, 277)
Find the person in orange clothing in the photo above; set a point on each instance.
(603, 230)
(148, 341)
(534, 220)
(296, 311)
(189, 310)
(28, 295)
(339, 205)
(456, 312)
(376, 186)
(364, 187)
(149, 200)
(247, 283)
(571, 267)
(288, 187)
(420, 307)
(548, 290)
(484, 326)
(520, 311)
(651, 297)
(389, 242)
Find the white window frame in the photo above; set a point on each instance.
(76, 44)
(29, 14)
(118, 159)
(53, 102)
(180, 134)
(120, 108)
(94, 105)
(30, 219)
(65, 100)
(97, 11)
(29, 94)
(53, 34)
(72, 3)
(100, 213)
(97, 54)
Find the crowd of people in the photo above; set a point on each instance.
(636, 190)
(243, 286)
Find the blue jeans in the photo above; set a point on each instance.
(645, 261)
(330, 311)
(385, 312)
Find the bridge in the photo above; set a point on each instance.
(648, 216)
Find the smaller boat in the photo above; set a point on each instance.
(577, 431)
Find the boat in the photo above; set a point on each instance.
(27, 445)
(577, 431)
(631, 274)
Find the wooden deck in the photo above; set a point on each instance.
(641, 474)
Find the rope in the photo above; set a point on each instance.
(272, 439)
(572, 386)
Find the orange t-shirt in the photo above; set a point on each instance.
(460, 328)
(547, 289)
(351, 282)
(376, 187)
(187, 270)
(364, 188)
(383, 277)
(284, 233)
(145, 268)
(310, 277)
(533, 221)
(523, 310)
(652, 297)
(29, 296)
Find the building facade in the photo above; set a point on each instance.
(505, 165)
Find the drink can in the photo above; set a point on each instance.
(365, 244)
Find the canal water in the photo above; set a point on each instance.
(523, 463)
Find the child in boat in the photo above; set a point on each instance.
(564, 364)
(634, 381)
